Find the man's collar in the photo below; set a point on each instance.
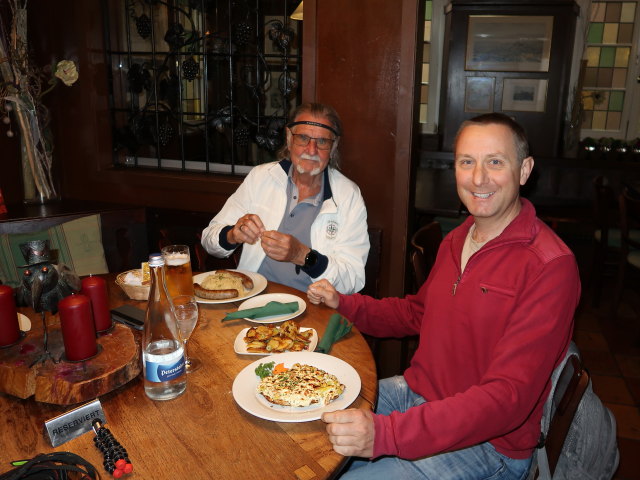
(286, 165)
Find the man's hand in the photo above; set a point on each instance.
(247, 229)
(323, 292)
(283, 247)
(351, 432)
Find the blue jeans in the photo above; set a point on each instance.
(473, 463)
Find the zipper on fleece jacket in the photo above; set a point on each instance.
(473, 259)
(455, 285)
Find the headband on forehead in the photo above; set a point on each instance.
(315, 124)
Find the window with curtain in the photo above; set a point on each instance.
(201, 85)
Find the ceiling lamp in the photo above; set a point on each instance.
(297, 14)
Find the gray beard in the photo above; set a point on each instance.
(313, 172)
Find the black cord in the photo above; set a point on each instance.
(52, 466)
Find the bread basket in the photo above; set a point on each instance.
(134, 292)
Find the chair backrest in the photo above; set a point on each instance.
(425, 243)
(604, 203)
(372, 267)
(579, 431)
(569, 390)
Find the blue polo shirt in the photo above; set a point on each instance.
(297, 220)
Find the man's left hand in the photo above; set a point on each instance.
(351, 432)
(283, 247)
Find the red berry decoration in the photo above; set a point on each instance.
(115, 455)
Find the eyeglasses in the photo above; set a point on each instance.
(303, 140)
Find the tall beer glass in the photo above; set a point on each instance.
(177, 270)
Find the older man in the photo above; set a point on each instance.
(494, 317)
(299, 219)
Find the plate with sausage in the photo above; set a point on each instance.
(225, 286)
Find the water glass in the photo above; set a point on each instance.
(185, 309)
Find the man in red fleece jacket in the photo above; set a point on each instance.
(495, 317)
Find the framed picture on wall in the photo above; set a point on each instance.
(509, 43)
(524, 94)
(478, 94)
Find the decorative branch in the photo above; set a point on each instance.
(23, 89)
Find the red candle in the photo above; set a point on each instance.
(96, 289)
(9, 326)
(78, 329)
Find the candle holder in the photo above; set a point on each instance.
(44, 284)
(45, 353)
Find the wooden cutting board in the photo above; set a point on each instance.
(61, 382)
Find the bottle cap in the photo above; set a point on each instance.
(156, 260)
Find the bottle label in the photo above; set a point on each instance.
(164, 368)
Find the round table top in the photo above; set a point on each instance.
(203, 433)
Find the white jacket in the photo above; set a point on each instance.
(339, 231)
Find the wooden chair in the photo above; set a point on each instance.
(372, 267)
(629, 243)
(571, 386)
(425, 243)
(424, 248)
(606, 234)
(569, 389)
(372, 282)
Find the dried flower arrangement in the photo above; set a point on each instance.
(21, 90)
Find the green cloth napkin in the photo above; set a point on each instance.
(337, 328)
(268, 310)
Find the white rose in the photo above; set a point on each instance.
(67, 72)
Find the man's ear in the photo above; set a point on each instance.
(289, 137)
(525, 169)
(334, 147)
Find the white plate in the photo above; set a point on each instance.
(259, 284)
(240, 345)
(245, 388)
(262, 300)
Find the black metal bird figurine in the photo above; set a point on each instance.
(44, 283)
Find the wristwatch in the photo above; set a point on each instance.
(310, 260)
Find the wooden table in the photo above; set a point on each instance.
(203, 433)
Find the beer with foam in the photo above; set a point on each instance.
(177, 270)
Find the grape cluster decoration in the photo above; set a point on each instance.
(190, 69)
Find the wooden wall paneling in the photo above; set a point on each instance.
(309, 45)
(365, 67)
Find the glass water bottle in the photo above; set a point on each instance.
(165, 376)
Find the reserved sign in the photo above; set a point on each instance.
(74, 423)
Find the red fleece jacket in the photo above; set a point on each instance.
(489, 339)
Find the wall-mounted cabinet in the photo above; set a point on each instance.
(512, 57)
